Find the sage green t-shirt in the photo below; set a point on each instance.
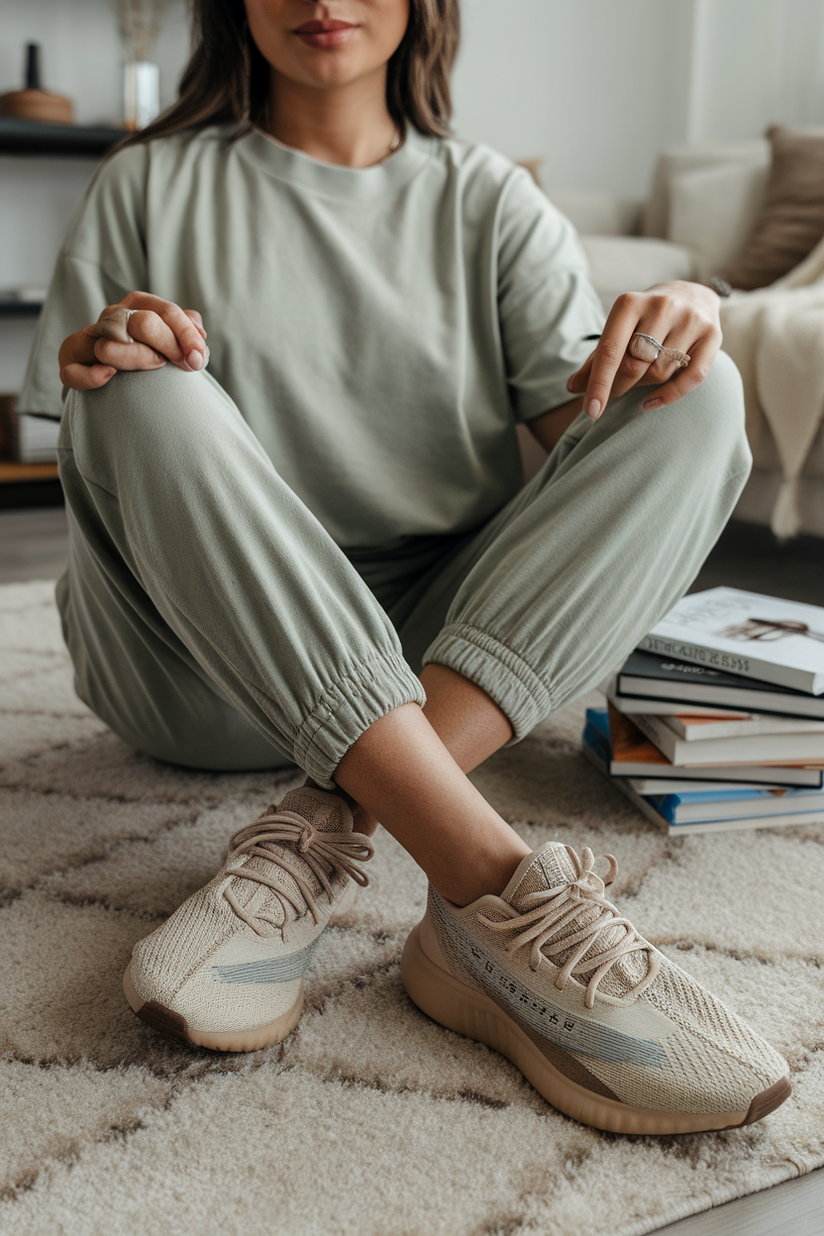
(380, 329)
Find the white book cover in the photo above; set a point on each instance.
(760, 749)
(670, 785)
(714, 826)
(745, 633)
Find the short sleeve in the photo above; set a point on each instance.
(102, 259)
(546, 304)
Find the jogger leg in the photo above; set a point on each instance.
(185, 541)
(554, 592)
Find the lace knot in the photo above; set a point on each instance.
(545, 926)
(328, 856)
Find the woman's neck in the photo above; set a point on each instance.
(349, 125)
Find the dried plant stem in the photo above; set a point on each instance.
(140, 25)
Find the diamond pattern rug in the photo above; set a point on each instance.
(369, 1120)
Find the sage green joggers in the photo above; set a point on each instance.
(214, 623)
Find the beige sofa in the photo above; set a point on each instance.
(702, 205)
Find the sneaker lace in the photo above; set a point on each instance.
(325, 854)
(555, 909)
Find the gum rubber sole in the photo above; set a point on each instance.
(161, 1018)
(471, 1013)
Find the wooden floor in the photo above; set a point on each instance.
(34, 545)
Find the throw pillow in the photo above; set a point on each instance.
(712, 212)
(791, 221)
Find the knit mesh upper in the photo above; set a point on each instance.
(182, 953)
(670, 1046)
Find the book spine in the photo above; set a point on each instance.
(747, 666)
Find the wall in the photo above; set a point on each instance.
(755, 62)
(595, 86)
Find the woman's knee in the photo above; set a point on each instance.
(712, 416)
(142, 415)
(147, 399)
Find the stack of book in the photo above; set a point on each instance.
(716, 721)
(28, 438)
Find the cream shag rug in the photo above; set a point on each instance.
(369, 1120)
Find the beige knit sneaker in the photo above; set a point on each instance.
(225, 971)
(604, 1026)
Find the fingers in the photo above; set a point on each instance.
(127, 356)
(77, 349)
(681, 316)
(702, 355)
(140, 332)
(610, 357)
(79, 367)
(165, 327)
(79, 377)
(168, 329)
(197, 319)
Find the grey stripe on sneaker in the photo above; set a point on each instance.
(574, 1032)
(271, 970)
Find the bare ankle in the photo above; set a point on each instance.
(482, 880)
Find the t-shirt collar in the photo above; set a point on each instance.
(332, 180)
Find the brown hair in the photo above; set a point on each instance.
(227, 78)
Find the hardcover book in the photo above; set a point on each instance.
(704, 728)
(737, 805)
(756, 749)
(597, 749)
(626, 752)
(745, 633)
(631, 704)
(663, 678)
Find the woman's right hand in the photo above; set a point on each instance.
(158, 330)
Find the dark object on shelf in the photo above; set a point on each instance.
(32, 137)
(20, 308)
(33, 103)
(26, 485)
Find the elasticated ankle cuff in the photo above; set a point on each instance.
(347, 708)
(514, 686)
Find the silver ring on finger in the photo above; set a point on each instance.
(113, 324)
(646, 348)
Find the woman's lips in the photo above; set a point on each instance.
(325, 34)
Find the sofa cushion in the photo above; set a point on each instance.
(597, 213)
(676, 160)
(791, 220)
(713, 210)
(633, 263)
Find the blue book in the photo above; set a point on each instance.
(734, 805)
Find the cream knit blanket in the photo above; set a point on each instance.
(776, 337)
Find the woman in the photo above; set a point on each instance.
(264, 553)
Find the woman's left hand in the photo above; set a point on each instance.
(679, 315)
